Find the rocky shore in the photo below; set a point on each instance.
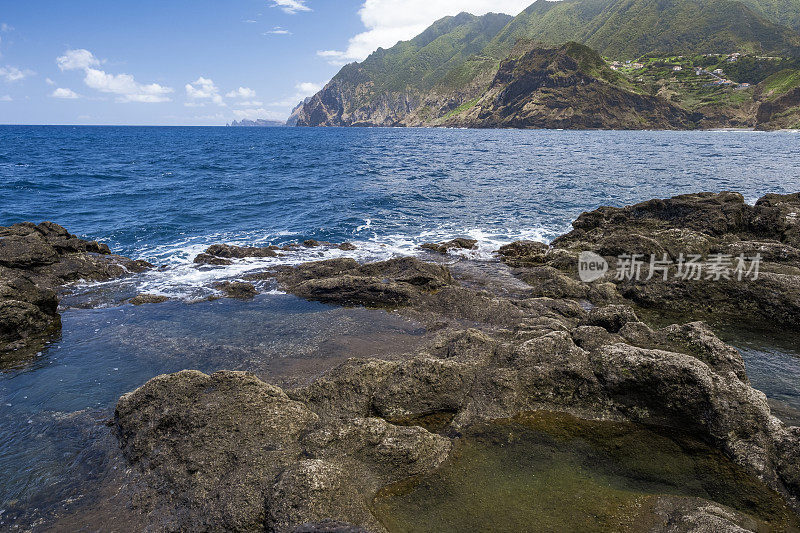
(36, 262)
(228, 451)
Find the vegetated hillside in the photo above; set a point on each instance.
(781, 11)
(780, 101)
(437, 76)
(627, 29)
(566, 87)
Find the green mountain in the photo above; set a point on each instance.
(437, 77)
(781, 11)
(627, 29)
(429, 57)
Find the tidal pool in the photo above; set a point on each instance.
(55, 446)
(553, 472)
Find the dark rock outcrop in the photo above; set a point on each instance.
(231, 452)
(456, 244)
(35, 262)
(239, 290)
(391, 283)
(705, 225)
(221, 254)
(144, 299)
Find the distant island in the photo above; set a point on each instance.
(581, 64)
(258, 123)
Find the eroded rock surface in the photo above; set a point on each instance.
(35, 261)
(704, 225)
(228, 451)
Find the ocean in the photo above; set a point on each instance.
(164, 194)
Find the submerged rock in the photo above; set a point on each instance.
(144, 299)
(237, 289)
(35, 262)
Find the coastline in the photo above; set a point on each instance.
(530, 312)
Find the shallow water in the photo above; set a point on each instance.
(549, 472)
(772, 361)
(53, 439)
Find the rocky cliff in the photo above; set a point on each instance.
(566, 87)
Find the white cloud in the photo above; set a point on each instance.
(48, 81)
(249, 103)
(124, 86)
(277, 30)
(6, 98)
(390, 21)
(291, 6)
(12, 74)
(204, 89)
(77, 59)
(242, 92)
(66, 94)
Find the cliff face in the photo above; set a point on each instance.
(779, 97)
(412, 82)
(566, 87)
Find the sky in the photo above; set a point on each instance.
(199, 62)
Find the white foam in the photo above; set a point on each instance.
(176, 275)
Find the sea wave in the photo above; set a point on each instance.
(176, 276)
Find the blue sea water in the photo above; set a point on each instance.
(164, 194)
(150, 192)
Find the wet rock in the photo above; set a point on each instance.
(214, 443)
(390, 283)
(789, 459)
(523, 251)
(347, 247)
(328, 526)
(311, 243)
(207, 259)
(678, 390)
(36, 261)
(237, 289)
(611, 317)
(703, 224)
(18, 251)
(229, 452)
(227, 251)
(144, 299)
(455, 244)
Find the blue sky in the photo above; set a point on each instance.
(176, 62)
